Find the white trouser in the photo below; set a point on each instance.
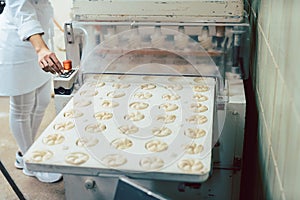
(26, 114)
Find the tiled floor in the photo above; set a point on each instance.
(30, 187)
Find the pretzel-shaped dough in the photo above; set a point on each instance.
(76, 158)
(121, 143)
(87, 141)
(41, 155)
(95, 128)
(156, 146)
(168, 107)
(73, 113)
(103, 115)
(138, 105)
(135, 116)
(126, 129)
(193, 148)
(161, 132)
(64, 126)
(200, 97)
(109, 104)
(151, 163)
(148, 86)
(170, 97)
(114, 160)
(166, 118)
(190, 165)
(53, 139)
(200, 88)
(115, 94)
(145, 95)
(194, 133)
(197, 119)
(198, 107)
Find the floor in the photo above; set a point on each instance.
(29, 186)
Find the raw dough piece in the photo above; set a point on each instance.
(64, 126)
(170, 97)
(200, 97)
(89, 93)
(148, 86)
(121, 85)
(198, 107)
(96, 84)
(200, 88)
(114, 160)
(121, 143)
(115, 94)
(141, 95)
(174, 87)
(76, 158)
(138, 105)
(194, 148)
(95, 128)
(151, 163)
(87, 141)
(168, 107)
(103, 115)
(135, 116)
(73, 113)
(109, 104)
(156, 146)
(82, 103)
(126, 129)
(190, 165)
(166, 118)
(199, 80)
(41, 155)
(194, 133)
(53, 139)
(161, 132)
(197, 119)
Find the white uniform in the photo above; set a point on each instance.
(19, 69)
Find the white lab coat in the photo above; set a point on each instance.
(19, 69)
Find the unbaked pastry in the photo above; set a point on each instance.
(53, 139)
(151, 163)
(142, 95)
(166, 118)
(174, 87)
(121, 143)
(41, 155)
(95, 128)
(198, 107)
(103, 115)
(194, 132)
(161, 132)
(148, 86)
(115, 94)
(200, 97)
(109, 104)
(64, 126)
(76, 158)
(126, 129)
(96, 84)
(168, 107)
(150, 78)
(190, 165)
(121, 85)
(199, 79)
(73, 113)
(114, 160)
(135, 116)
(156, 146)
(138, 105)
(170, 97)
(193, 148)
(82, 103)
(200, 88)
(89, 93)
(197, 119)
(87, 141)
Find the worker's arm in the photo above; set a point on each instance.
(47, 59)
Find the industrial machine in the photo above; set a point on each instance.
(159, 106)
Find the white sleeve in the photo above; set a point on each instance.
(25, 18)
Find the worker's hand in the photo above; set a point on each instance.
(49, 62)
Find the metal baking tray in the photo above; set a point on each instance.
(58, 149)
